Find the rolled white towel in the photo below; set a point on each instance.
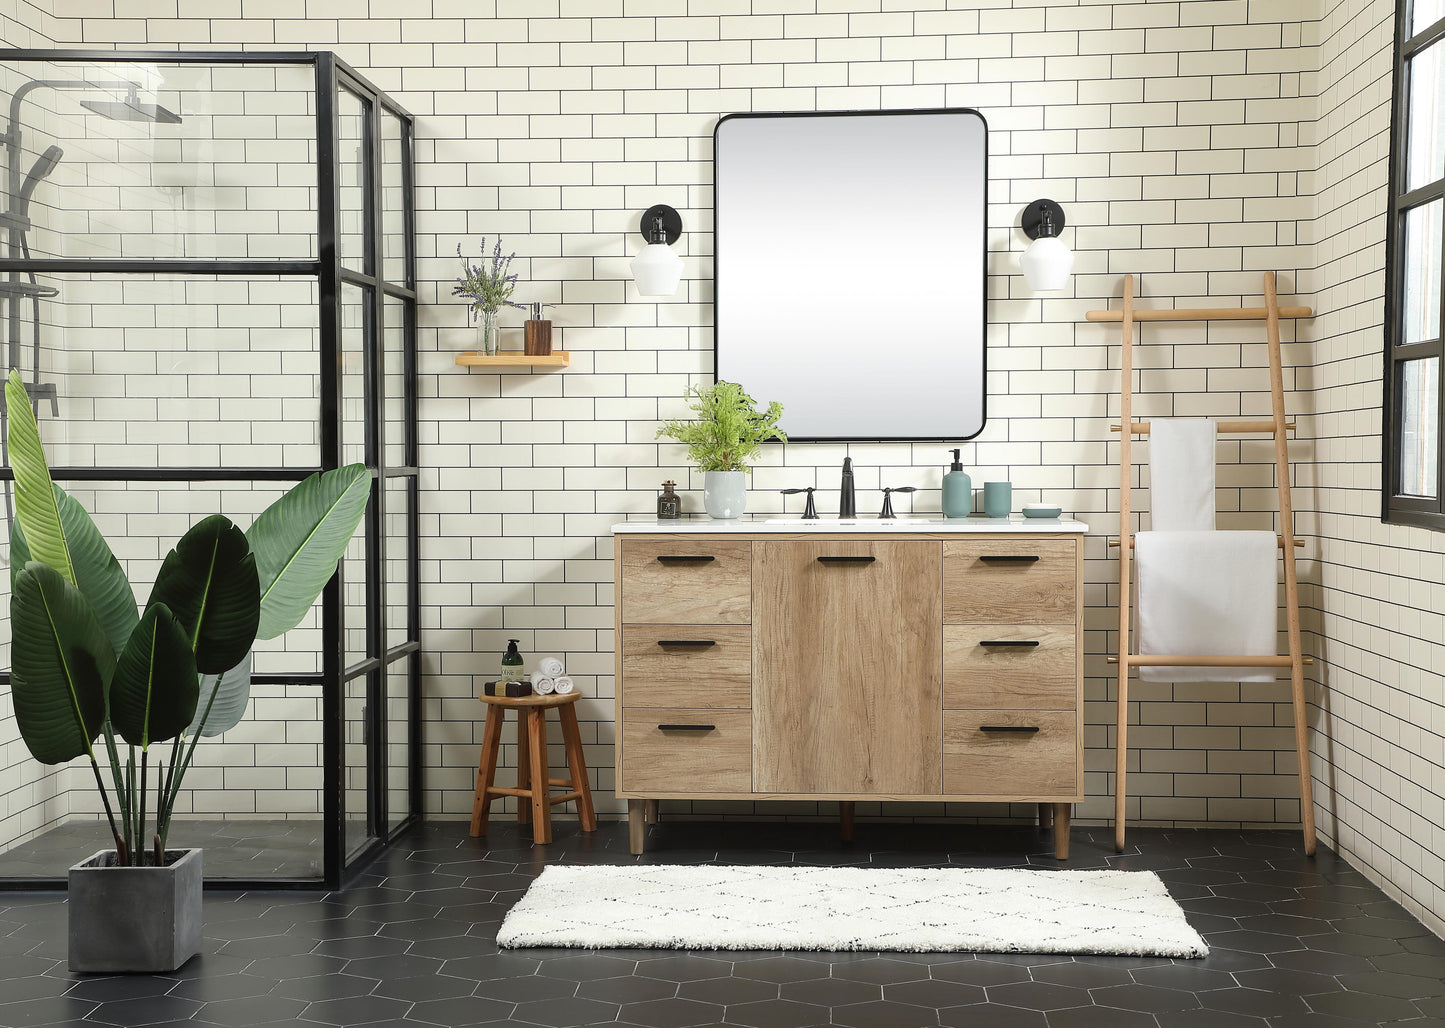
(564, 685)
(542, 685)
(551, 667)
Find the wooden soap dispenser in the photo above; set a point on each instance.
(537, 338)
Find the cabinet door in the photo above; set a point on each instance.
(847, 666)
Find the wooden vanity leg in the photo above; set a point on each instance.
(1062, 812)
(653, 813)
(636, 825)
(845, 820)
(1046, 816)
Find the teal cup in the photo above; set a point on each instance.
(998, 499)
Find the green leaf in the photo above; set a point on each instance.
(62, 664)
(232, 693)
(298, 540)
(35, 506)
(209, 582)
(154, 692)
(97, 573)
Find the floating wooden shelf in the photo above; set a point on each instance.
(514, 359)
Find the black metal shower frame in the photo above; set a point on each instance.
(331, 75)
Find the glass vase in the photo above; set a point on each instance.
(487, 332)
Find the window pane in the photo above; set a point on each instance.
(1421, 309)
(1425, 14)
(1419, 427)
(1425, 158)
(393, 201)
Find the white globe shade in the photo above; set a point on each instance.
(1047, 263)
(657, 270)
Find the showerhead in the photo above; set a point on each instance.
(43, 166)
(131, 109)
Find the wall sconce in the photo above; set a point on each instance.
(1047, 262)
(657, 269)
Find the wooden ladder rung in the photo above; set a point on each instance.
(1209, 660)
(1223, 427)
(1299, 544)
(1202, 314)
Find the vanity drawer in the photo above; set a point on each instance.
(999, 666)
(687, 665)
(714, 756)
(1009, 581)
(686, 581)
(1020, 753)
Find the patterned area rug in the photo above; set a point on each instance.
(820, 908)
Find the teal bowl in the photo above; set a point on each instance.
(1042, 510)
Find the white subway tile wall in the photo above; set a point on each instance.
(1194, 144)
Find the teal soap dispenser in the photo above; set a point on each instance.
(957, 490)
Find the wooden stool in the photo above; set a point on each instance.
(532, 780)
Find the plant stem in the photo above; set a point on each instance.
(186, 763)
(140, 822)
(163, 785)
(121, 850)
(109, 735)
(130, 791)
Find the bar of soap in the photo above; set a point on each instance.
(509, 689)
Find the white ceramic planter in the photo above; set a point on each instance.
(139, 919)
(725, 493)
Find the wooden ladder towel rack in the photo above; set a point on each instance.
(1271, 314)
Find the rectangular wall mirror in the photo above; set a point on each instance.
(850, 270)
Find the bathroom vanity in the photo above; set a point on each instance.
(913, 659)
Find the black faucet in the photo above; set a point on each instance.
(810, 513)
(888, 498)
(847, 503)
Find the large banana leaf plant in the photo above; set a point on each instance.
(89, 666)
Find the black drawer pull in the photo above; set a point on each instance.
(700, 643)
(686, 558)
(846, 560)
(687, 728)
(1008, 728)
(1008, 642)
(1009, 558)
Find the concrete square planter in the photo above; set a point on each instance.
(143, 919)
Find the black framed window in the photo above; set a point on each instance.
(1414, 458)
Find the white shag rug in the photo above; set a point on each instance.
(848, 908)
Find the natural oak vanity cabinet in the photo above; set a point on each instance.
(851, 661)
(847, 670)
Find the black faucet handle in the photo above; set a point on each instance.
(810, 513)
(888, 492)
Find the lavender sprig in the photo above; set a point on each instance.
(487, 289)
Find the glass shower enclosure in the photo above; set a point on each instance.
(208, 285)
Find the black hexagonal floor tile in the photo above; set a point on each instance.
(432, 986)
(326, 986)
(628, 989)
(527, 989)
(1100, 1017)
(1151, 999)
(684, 967)
(881, 970)
(830, 992)
(1362, 1006)
(991, 1015)
(357, 1010)
(251, 1010)
(981, 972)
(780, 969)
(672, 1013)
(1255, 1002)
(462, 1012)
(1039, 996)
(1082, 974)
(880, 1014)
(145, 1010)
(565, 1012)
(934, 993)
(728, 990)
(586, 967)
(777, 1013)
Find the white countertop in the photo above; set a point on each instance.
(777, 523)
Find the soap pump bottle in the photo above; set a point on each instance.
(957, 490)
(513, 668)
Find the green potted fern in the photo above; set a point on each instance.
(723, 440)
(134, 689)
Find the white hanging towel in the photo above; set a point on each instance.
(1181, 474)
(1207, 593)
